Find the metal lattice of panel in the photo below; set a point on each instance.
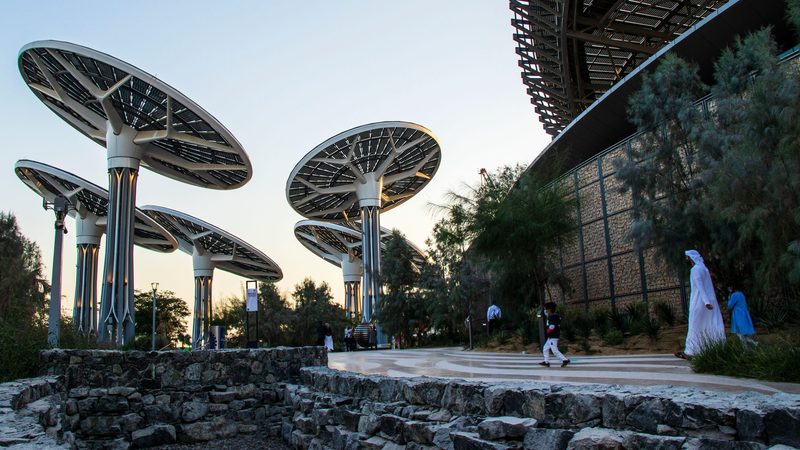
(88, 199)
(97, 93)
(324, 183)
(227, 252)
(332, 242)
(573, 51)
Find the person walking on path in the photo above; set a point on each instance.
(741, 323)
(553, 334)
(705, 319)
(493, 316)
(328, 338)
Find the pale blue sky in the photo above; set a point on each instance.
(282, 78)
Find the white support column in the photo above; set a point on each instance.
(203, 281)
(84, 313)
(118, 322)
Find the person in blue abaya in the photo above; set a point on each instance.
(741, 323)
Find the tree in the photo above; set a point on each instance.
(662, 173)
(274, 318)
(171, 314)
(401, 312)
(314, 304)
(726, 183)
(520, 236)
(23, 302)
(499, 240)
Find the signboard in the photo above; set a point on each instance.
(252, 299)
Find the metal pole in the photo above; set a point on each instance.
(469, 326)
(153, 340)
(54, 322)
(370, 234)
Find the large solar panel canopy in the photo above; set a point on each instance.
(359, 173)
(211, 247)
(341, 245)
(88, 204)
(573, 51)
(141, 121)
(100, 96)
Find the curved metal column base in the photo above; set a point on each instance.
(371, 237)
(84, 314)
(201, 321)
(118, 323)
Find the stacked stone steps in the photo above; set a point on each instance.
(344, 411)
(29, 414)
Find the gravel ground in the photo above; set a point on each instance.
(260, 441)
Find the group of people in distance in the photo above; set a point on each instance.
(705, 318)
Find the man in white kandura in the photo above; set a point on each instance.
(705, 319)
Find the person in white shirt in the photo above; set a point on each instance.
(705, 320)
(493, 316)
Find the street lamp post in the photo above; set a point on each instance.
(154, 285)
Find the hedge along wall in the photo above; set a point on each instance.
(115, 397)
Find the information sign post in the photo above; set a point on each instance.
(251, 309)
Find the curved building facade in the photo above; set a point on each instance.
(581, 61)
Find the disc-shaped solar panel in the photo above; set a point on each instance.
(395, 158)
(89, 200)
(227, 252)
(101, 97)
(332, 242)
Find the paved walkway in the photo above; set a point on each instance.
(626, 369)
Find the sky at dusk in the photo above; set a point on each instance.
(282, 76)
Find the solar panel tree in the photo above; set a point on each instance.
(358, 174)
(88, 204)
(142, 122)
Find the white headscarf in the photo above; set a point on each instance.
(695, 256)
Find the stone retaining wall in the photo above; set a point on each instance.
(29, 413)
(345, 411)
(111, 399)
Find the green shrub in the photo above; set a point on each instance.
(19, 346)
(601, 320)
(613, 337)
(778, 361)
(665, 313)
(620, 321)
(568, 330)
(637, 311)
(584, 345)
(651, 327)
(582, 322)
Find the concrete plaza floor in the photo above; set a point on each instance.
(644, 370)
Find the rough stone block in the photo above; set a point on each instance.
(419, 432)
(505, 427)
(783, 426)
(391, 425)
(716, 444)
(541, 438)
(196, 432)
(373, 443)
(369, 424)
(471, 441)
(112, 404)
(567, 409)
(154, 435)
(442, 415)
(647, 415)
(193, 411)
(597, 439)
(131, 422)
(221, 397)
